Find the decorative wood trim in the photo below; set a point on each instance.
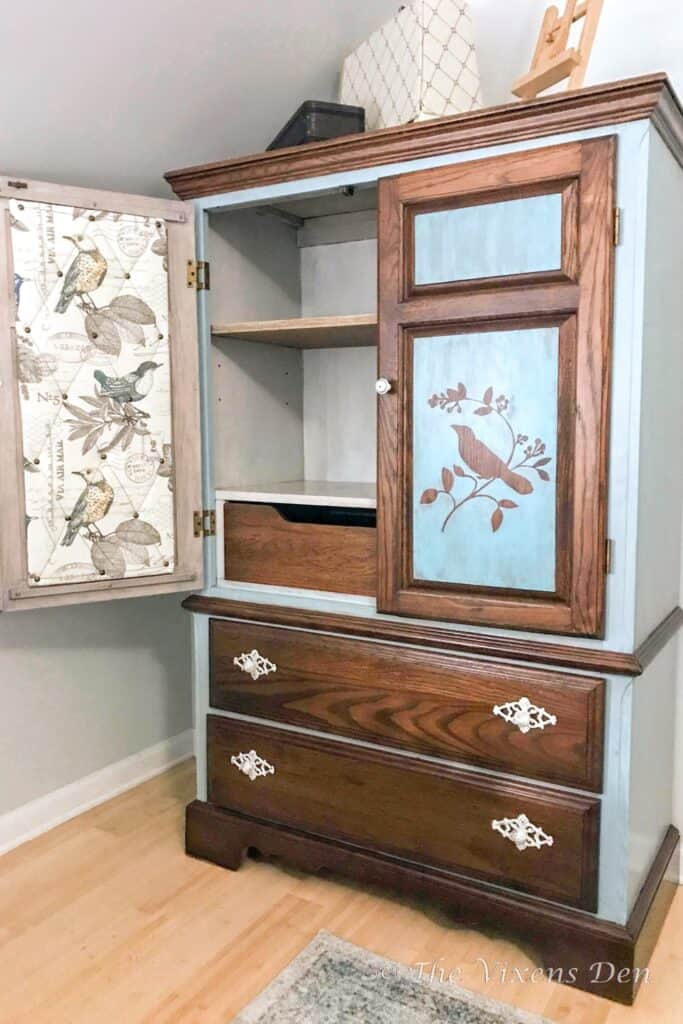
(659, 637)
(666, 117)
(564, 938)
(424, 634)
(632, 99)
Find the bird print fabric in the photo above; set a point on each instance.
(85, 274)
(484, 506)
(93, 357)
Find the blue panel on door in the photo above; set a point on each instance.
(485, 410)
(519, 236)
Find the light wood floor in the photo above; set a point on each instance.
(105, 919)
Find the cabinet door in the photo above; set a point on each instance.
(495, 314)
(99, 465)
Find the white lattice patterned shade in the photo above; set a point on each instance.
(419, 65)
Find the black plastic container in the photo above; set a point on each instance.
(316, 121)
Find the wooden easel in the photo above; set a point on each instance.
(553, 60)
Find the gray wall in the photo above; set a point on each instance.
(81, 688)
(112, 102)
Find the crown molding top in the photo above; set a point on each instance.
(632, 99)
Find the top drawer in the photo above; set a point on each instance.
(528, 722)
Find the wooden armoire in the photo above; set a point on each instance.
(435, 533)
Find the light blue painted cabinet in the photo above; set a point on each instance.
(510, 434)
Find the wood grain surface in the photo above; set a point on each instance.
(430, 703)
(428, 813)
(263, 547)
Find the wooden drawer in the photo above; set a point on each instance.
(431, 703)
(262, 545)
(432, 814)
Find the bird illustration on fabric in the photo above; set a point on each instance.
(132, 387)
(86, 273)
(18, 282)
(92, 505)
(485, 463)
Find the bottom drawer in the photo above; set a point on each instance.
(525, 837)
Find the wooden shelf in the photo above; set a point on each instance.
(305, 492)
(306, 332)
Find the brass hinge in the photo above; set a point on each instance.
(204, 523)
(198, 275)
(617, 225)
(609, 556)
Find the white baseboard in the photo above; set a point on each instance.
(40, 815)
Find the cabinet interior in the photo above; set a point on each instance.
(293, 307)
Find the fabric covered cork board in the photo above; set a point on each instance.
(94, 372)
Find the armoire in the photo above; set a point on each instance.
(402, 413)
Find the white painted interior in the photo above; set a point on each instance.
(280, 413)
(307, 492)
(257, 412)
(340, 434)
(341, 279)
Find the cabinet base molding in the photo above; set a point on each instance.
(568, 942)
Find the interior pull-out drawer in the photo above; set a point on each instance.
(315, 548)
(525, 837)
(524, 721)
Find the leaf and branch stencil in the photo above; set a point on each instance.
(93, 355)
(485, 409)
(482, 466)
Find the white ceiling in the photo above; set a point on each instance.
(112, 94)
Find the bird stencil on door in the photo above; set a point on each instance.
(481, 466)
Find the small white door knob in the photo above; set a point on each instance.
(382, 386)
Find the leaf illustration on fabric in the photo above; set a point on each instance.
(165, 468)
(160, 248)
(107, 557)
(136, 531)
(120, 421)
(132, 309)
(32, 366)
(482, 466)
(103, 333)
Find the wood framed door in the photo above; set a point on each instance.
(495, 321)
(99, 406)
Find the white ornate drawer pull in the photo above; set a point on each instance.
(525, 715)
(522, 833)
(254, 664)
(252, 765)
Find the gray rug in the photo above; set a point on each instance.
(334, 982)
